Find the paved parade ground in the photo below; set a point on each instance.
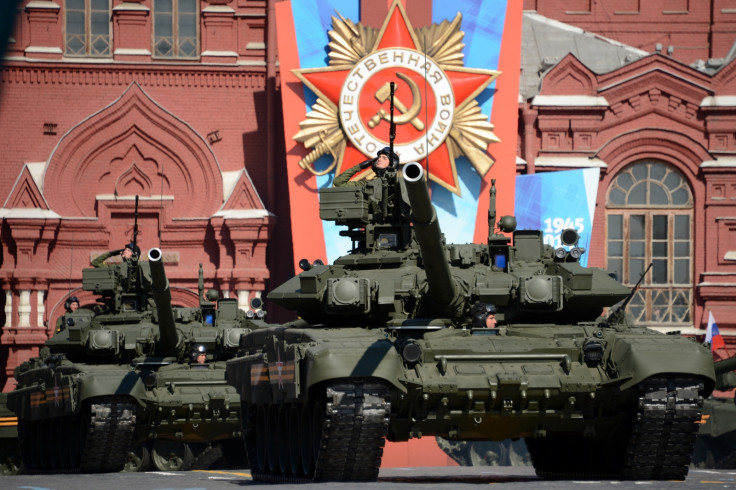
(419, 478)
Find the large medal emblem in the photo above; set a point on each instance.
(436, 115)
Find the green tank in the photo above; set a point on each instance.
(716, 443)
(9, 448)
(115, 388)
(385, 350)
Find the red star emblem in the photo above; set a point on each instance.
(429, 96)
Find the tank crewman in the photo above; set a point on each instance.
(379, 165)
(483, 315)
(126, 253)
(199, 354)
(71, 305)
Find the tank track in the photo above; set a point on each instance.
(659, 444)
(107, 438)
(664, 434)
(354, 428)
(206, 458)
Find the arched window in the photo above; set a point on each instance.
(649, 220)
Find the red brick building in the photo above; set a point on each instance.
(176, 101)
(646, 91)
(103, 100)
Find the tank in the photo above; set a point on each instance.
(716, 443)
(9, 448)
(384, 349)
(115, 388)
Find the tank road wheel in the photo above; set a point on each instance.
(139, 457)
(293, 442)
(518, 454)
(488, 453)
(272, 453)
(282, 439)
(261, 436)
(306, 441)
(170, 455)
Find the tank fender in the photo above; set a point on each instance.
(117, 383)
(642, 357)
(378, 359)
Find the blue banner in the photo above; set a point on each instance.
(556, 201)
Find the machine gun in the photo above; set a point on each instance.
(617, 312)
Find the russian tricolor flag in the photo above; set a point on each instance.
(713, 335)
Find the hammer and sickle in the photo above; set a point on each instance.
(408, 115)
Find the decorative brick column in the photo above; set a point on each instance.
(45, 33)
(219, 35)
(132, 31)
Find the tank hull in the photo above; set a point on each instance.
(515, 382)
(180, 404)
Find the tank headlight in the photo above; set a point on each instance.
(260, 314)
(410, 351)
(560, 253)
(250, 314)
(150, 379)
(576, 252)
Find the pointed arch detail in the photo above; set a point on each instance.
(133, 146)
(668, 145)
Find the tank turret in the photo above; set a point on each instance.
(400, 268)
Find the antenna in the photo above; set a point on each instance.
(161, 201)
(391, 125)
(135, 223)
(426, 106)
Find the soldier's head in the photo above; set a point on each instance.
(483, 315)
(384, 160)
(130, 250)
(199, 354)
(72, 304)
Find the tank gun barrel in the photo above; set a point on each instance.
(725, 366)
(442, 287)
(168, 338)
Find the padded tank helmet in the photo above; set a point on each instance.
(68, 303)
(387, 151)
(479, 312)
(134, 248)
(197, 350)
